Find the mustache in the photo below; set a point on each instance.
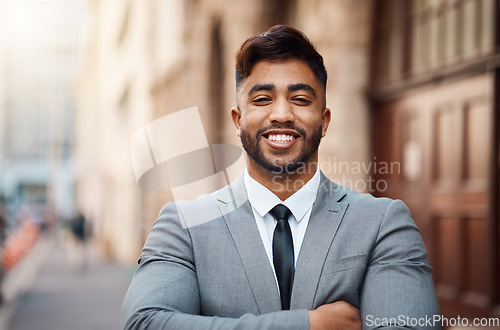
(300, 131)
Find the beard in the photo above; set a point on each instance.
(254, 151)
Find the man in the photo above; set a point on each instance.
(282, 247)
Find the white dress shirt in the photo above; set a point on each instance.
(300, 204)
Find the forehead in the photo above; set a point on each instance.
(280, 74)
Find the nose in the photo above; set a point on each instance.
(282, 112)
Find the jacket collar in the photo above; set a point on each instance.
(326, 215)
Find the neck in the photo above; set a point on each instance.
(283, 184)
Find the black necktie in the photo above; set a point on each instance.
(283, 257)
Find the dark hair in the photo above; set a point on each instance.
(280, 42)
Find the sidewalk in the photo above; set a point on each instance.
(44, 293)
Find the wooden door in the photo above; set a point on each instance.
(441, 137)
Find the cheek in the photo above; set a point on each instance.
(309, 120)
(253, 118)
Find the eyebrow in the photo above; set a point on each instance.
(298, 87)
(261, 87)
(290, 88)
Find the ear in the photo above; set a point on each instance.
(326, 116)
(236, 117)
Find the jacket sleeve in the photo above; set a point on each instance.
(164, 291)
(398, 292)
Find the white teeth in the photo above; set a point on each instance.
(281, 138)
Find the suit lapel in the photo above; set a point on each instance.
(326, 215)
(240, 221)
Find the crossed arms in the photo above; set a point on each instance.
(165, 291)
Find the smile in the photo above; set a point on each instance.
(281, 138)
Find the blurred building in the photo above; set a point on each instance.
(40, 46)
(435, 105)
(413, 88)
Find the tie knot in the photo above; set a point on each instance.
(280, 211)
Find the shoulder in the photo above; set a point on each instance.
(341, 193)
(358, 202)
(366, 200)
(193, 213)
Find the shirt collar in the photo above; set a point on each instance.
(263, 199)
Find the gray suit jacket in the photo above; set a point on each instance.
(204, 265)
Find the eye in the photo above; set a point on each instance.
(301, 100)
(262, 100)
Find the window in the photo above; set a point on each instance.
(416, 37)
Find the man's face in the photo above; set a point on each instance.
(281, 115)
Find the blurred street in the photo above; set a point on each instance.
(48, 291)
